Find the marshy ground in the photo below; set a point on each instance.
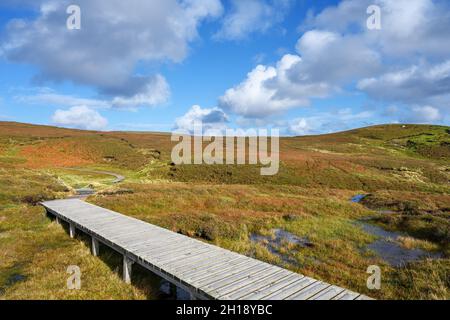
(302, 219)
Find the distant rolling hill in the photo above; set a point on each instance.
(365, 158)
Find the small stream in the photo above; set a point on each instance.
(387, 246)
(360, 197)
(83, 193)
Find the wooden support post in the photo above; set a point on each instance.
(95, 247)
(172, 290)
(72, 230)
(192, 296)
(57, 221)
(127, 266)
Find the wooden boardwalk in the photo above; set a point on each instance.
(203, 270)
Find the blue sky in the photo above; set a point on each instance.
(302, 66)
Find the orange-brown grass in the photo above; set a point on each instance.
(153, 141)
(81, 151)
(55, 154)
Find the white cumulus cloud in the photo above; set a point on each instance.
(268, 90)
(115, 37)
(80, 117)
(155, 92)
(250, 16)
(418, 83)
(45, 96)
(424, 114)
(213, 120)
(328, 122)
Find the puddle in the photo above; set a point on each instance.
(12, 280)
(281, 237)
(358, 198)
(83, 193)
(387, 246)
(391, 251)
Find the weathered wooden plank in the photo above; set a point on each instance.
(248, 286)
(309, 291)
(347, 295)
(181, 256)
(328, 294)
(197, 263)
(204, 266)
(225, 273)
(141, 250)
(215, 271)
(257, 269)
(152, 241)
(270, 291)
(154, 245)
(171, 248)
(131, 237)
(209, 266)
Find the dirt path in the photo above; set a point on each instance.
(119, 178)
(83, 193)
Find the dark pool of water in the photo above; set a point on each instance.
(15, 278)
(12, 279)
(83, 193)
(391, 251)
(387, 246)
(281, 237)
(358, 198)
